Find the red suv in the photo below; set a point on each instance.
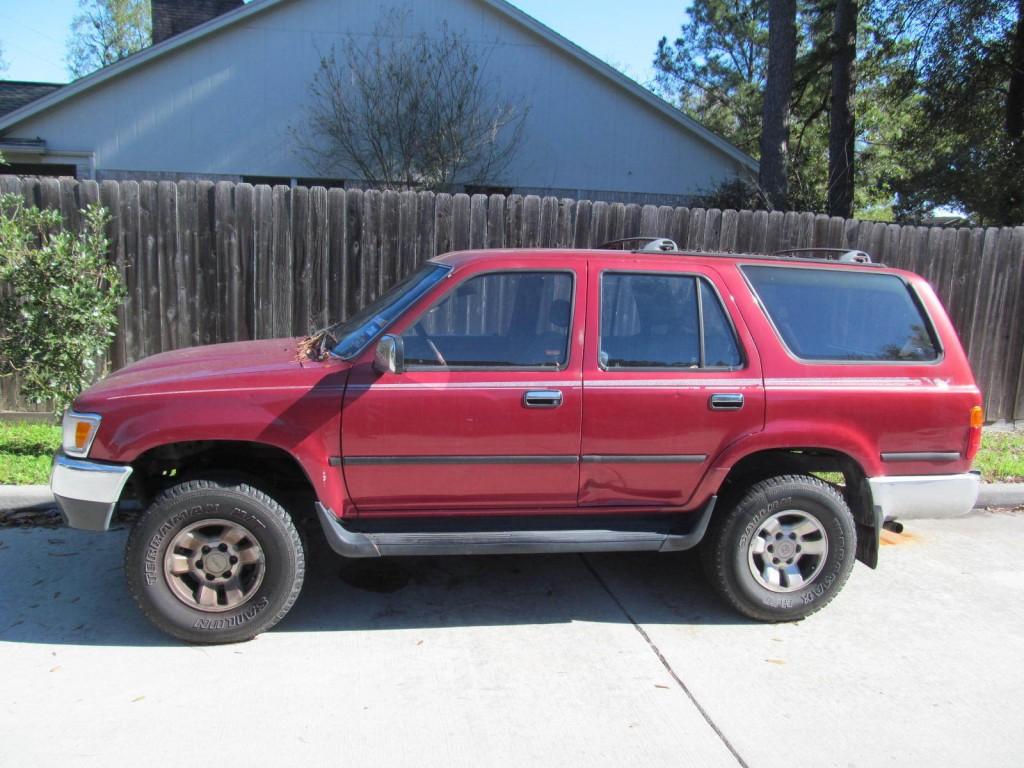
(776, 411)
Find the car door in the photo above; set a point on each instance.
(487, 413)
(670, 379)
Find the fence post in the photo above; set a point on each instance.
(203, 263)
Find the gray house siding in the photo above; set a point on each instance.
(223, 105)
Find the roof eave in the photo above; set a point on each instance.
(611, 73)
(501, 6)
(135, 60)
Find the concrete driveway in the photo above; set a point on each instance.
(610, 660)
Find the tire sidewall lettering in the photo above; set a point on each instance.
(177, 521)
(153, 568)
(760, 507)
(156, 547)
(247, 613)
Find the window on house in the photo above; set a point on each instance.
(316, 182)
(273, 181)
(39, 169)
(503, 319)
(831, 314)
(658, 321)
(483, 189)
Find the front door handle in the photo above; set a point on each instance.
(542, 398)
(732, 401)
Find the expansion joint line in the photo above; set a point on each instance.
(664, 661)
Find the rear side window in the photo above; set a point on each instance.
(825, 314)
(659, 321)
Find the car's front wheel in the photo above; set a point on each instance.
(784, 551)
(214, 561)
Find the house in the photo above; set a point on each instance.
(216, 95)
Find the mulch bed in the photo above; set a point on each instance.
(32, 517)
(49, 516)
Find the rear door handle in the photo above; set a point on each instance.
(732, 401)
(542, 398)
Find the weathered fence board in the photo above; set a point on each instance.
(205, 263)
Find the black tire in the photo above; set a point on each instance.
(730, 558)
(271, 534)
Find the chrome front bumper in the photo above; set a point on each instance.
(87, 491)
(918, 496)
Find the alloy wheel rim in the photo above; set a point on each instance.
(214, 565)
(787, 551)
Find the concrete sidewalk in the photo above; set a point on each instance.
(25, 496)
(559, 660)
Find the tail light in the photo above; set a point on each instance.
(974, 436)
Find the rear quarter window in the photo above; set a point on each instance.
(839, 315)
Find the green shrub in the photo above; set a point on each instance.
(59, 315)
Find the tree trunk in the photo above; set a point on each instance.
(1012, 202)
(1015, 92)
(778, 90)
(841, 127)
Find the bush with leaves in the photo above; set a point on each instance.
(740, 193)
(58, 313)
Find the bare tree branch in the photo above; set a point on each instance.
(409, 111)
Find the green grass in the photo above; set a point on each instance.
(24, 470)
(1001, 458)
(29, 439)
(26, 451)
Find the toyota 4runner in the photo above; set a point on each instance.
(775, 411)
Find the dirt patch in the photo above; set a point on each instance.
(893, 539)
(48, 516)
(33, 517)
(1018, 510)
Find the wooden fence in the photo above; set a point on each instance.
(206, 263)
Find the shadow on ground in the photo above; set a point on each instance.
(67, 587)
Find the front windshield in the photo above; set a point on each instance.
(364, 326)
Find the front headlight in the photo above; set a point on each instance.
(79, 431)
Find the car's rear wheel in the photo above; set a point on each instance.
(784, 550)
(214, 561)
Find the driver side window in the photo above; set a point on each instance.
(496, 320)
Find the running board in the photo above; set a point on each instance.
(352, 543)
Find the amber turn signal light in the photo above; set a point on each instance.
(82, 431)
(974, 433)
(79, 431)
(977, 417)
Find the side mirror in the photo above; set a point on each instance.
(390, 355)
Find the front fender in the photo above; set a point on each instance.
(303, 421)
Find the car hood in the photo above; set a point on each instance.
(237, 365)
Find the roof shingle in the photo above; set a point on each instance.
(15, 94)
(172, 17)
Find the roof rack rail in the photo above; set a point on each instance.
(845, 255)
(650, 244)
(806, 254)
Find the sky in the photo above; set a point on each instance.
(33, 33)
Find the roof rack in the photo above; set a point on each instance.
(807, 254)
(650, 244)
(845, 255)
